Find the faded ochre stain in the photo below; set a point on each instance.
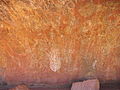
(55, 62)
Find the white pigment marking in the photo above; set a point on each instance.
(94, 64)
(55, 62)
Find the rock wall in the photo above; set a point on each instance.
(55, 42)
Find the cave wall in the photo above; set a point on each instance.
(58, 41)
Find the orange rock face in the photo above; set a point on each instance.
(58, 41)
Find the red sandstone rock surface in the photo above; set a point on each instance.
(86, 85)
(20, 87)
(54, 42)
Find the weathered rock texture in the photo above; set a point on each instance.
(86, 85)
(58, 41)
(20, 87)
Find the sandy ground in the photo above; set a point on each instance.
(104, 87)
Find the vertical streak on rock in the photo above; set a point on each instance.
(55, 62)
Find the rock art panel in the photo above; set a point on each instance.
(56, 42)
